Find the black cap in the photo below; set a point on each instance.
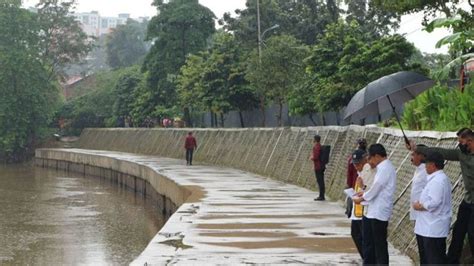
(358, 155)
(436, 158)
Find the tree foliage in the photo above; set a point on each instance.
(126, 45)
(278, 71)
(32, 49)
(214, 80)
(344, 62)
(182, 27)
(433, 109)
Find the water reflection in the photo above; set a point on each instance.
(51, 217)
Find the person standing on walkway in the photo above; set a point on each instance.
(434, 213)
(352, 174)
(365, 173)
(465, 218)
(419, 180)
(379, 198)
(318, 167)
(351, 170)
(190, 145)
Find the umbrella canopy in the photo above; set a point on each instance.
(385, 93)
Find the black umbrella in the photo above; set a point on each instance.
(384, 94)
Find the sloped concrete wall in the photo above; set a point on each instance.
(283, 154)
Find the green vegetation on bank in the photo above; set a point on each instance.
(314, 56)
(34, 48)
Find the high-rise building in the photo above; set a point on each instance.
(95, 25)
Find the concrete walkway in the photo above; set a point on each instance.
(245, 218)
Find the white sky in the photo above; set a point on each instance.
(410, 25)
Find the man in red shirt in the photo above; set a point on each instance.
(318, 167)
(190, 145)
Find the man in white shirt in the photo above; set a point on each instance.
(434, 217)
(419, 179)
(379, 198)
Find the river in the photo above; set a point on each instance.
(50, 217)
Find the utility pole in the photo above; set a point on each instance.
(258, 32)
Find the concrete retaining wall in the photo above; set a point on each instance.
(282, 153)
(166, 194)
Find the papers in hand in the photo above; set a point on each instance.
(350, 192)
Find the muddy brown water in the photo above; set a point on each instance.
(50, 217)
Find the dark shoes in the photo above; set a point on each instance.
(319, 199)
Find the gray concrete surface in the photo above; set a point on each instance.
(228, 216)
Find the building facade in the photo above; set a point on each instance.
(95, 25)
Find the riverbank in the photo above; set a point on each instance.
(224, 216)
(282, 154)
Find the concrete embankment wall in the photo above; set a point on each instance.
(283, 154)
(166, 194)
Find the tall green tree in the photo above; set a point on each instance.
(374, 20)
(215, 79)
(28, 97)
(126, 45)
(344, 62)
(182, 27)
(62, 41)
(278, 71)
(306, 19)
(33, 47)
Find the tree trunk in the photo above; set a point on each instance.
(241, 119)
(222, 120)
(212, 118)
(323, 120)
(215, 120)
(187, 117)
(312, 119)
(280, 113)
(262, 108)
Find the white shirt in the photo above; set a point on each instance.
(380, 196)
(436, 199)
(418, 184)
(368, 175)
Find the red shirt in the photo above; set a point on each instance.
(315, 156)
(351, 173)
(190, 142)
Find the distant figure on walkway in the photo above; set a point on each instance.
(190, 145)
(465, 217)
(318, 167)
(379, 200)
(434, 213)
(419, 180)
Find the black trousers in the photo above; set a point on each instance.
(189, 156)
(320, 179)
(356, 233)
(375, 241)
(432, 250)
(464, 224)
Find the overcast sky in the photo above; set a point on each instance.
(410, 25)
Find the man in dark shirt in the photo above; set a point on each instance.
(190, 145)
(465, 217)
(318, 167)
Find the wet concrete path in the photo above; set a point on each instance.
(245, 218)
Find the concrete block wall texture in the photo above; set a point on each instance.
(283, 154)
